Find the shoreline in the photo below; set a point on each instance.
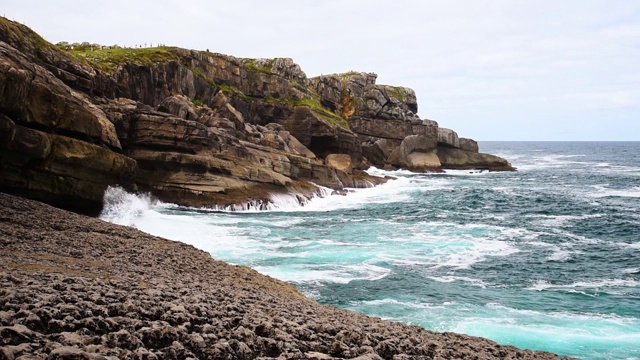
(76, 286)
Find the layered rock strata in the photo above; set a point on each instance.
(75, 287)
(391, 134)
(198, 128)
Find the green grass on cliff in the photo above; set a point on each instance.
(228, 90)
(109, 59)
(397, 92)
(251, 65)
(314, 105)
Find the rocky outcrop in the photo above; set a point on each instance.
(452, 158)
(418, 153)
(468, 145)
(198, 128)
(163, 122)
(448, 138)
(384, 119)
(58, 146)
(73, 287)
(340, 162)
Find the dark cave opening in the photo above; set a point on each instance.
(323, 146)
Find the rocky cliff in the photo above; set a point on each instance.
(198, 128)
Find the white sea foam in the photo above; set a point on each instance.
(557, 253)
(394, 302)
(618, 169)
(560, 255)
(612, 318)
(542, 285)
(552, 161)
(327, 273)
(555, 221)
(449, 279)
(631, 271)
(467, 172)
(634, 246)
(602, 191)
(445, 244)
(123, 208)
(393, 173)
(466, 255)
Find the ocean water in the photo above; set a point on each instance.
(545, 258)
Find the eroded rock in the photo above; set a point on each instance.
(115, 292)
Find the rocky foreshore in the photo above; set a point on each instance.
(76, 287)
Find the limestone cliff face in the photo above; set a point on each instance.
(391, 134)
(55, 144)
(199, 128)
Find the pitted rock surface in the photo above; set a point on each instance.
(75, 287)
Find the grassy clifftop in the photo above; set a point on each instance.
(108, 59)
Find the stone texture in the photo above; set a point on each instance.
(417, 153)
(448, 137)
(452, 158)
(31, 95)
(75, 287)
(180, 106)
(71, 128)
(469, 145)
(340, 162)
(58, 169)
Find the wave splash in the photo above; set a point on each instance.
(122, 208)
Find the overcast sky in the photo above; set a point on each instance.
(489, 69)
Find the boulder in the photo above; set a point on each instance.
(320, 135)
(417, 153)
(340, 162)
(452, 158)
(368, 99)
(7, 130)
(57, 146)
(30, 144)
(377, 151)
(159, 130)
(448, 137)
(423, 161)
(295, 146)
(179, 106)
(417, 143)
(469, 145)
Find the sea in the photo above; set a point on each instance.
(544, 258)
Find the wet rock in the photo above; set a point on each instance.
(465, 160)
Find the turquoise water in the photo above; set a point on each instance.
(544, 258)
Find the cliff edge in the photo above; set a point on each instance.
(200, 129)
